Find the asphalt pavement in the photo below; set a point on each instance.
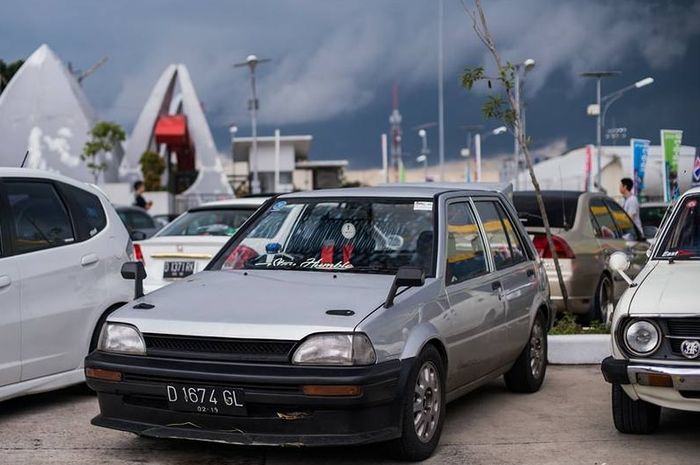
(567, 422)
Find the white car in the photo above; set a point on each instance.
(656, 326)
(61, 250)
(188, 243)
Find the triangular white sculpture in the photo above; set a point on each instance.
(44, 110)
(211, 178)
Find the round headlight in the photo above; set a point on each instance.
(335, 349)
(122, 339)
(642, 337)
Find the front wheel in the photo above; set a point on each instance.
(423, 409)
(527, 374)
(633, 416)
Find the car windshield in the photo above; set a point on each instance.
(651, 215)
(339, 235)
(215, 222)
(682, 238)
(560, 207)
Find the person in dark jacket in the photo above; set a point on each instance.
(139, 201)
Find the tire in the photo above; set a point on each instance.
(602, 305)
(418, 442)
(633, 416)
(530, 368)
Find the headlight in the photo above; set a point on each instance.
(335, 349)
(642, 337)
(121, 338)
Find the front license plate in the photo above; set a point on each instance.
(206, 399)
(178, 269)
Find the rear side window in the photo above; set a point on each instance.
(504, 250)
(602, 220)
(88, 214)
(40, 220)
(560, 207)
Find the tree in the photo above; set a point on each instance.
(7, 70)
(504, 107)
(152, 167)
(103, 138)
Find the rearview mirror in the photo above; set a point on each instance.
(619, 262)
(406, 276)
(137, 272)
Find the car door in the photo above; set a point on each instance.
(631, 239)
(476, 311)
(515, 272)
(58, 277)
(10, 329)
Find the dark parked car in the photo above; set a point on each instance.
(139, 223)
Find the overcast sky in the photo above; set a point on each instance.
(333, 63)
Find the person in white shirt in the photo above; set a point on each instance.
(631, 204)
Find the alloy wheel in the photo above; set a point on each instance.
(537, 355)
(426, 402)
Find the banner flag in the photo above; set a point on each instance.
(588, 168)
(696, 168)
(671, 149)
(640, 153)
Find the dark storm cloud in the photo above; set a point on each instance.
(334, 61)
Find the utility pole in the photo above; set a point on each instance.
(441, 99)
(395, 122)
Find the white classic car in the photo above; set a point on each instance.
(656, 326)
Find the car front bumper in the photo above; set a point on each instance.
(278, 412)
(671, 386)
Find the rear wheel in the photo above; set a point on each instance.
(527, 374)
(423, 408)
(633, 416)
(602, 306)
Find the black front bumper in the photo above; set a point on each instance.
(278, 412)
(615, 371)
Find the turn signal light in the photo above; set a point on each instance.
(650, 379)
(332, 391)
(106, 375)
(138, 253)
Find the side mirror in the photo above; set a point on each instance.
(619, 262)
(406, 276)
(137, 272)
(137, 235)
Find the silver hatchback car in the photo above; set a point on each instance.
(376, 308)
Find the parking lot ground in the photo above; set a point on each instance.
(567, 422)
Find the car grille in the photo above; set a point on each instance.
(205, 348)
(679, 329)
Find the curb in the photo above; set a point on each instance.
(578, 349)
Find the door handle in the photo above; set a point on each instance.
(530, 273)
(89, 259)
(496, 285)
(5, 281)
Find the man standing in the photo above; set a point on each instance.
(139, 201)
(631, 204)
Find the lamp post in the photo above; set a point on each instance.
(477, 146)
(441, 99)
(252, 62)
(525, 67)
(424, 152)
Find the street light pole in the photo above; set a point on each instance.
(251, 62)
(441, 103)
(424, 151)
(477, 147)
(526, 65)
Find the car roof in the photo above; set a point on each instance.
(123, 208)
(552, 194)
(6, 172)
(239, 202)
(412, 190)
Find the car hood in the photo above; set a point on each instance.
(667, 288)
(270, 304)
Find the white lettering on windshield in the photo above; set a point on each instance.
(310, 263)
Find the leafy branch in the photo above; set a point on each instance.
(104, 136)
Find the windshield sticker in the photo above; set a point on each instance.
(277, 206)
(309, 264)
(423, 206)
(348, 231)
(691, 204)
(670, 253)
